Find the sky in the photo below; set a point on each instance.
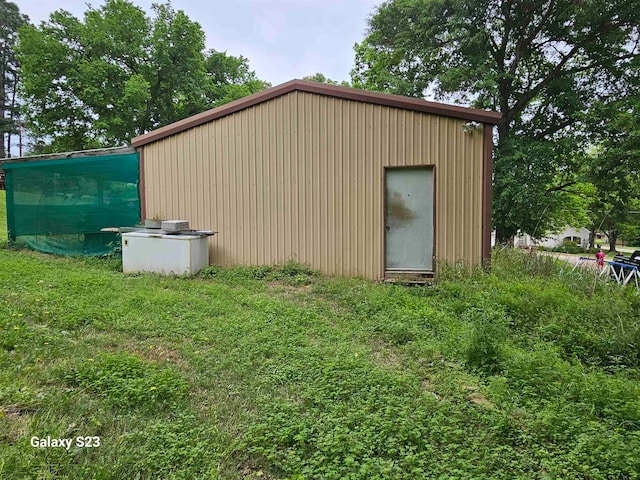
(282, 39)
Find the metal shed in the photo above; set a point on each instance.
(347, 181)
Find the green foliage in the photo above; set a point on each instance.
(354, 421)
(526, 371)
(536, 186)
(569, 247)
(3, 217)
(230, 78)
(126, 381)
(118, 74)
(293, 269)
(184, 447)
(488, 331)
(84, 83)
(511, 263)
(541, 65)
(319, 77)
(291, 273)
(10, 21)
(613, 167)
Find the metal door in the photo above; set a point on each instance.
(409, 219)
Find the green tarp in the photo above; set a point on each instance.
(60, 206)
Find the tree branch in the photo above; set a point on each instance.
(523, 42)
(561, 187)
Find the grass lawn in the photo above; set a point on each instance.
(269, 373)
(3, 216)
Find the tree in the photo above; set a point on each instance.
(319, 77)
(229, 78)
(116, 74)
(540, 64)
(614, 169)
(10, 20)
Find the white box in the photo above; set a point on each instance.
(164, 254)
(175, 225)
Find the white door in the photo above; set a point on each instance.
(409, 219)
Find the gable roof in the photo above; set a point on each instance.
(407, 103)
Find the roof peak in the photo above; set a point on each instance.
(346, 93)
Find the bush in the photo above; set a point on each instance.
(489, 329)
(569, 247)
(291, 273)
(513, 263)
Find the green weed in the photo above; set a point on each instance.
(526, 371)
(127, 381)
(3, 217)
(488, 331)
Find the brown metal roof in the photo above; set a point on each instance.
(407, 103)
(77, 154)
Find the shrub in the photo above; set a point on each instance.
(569, 247)
(293, 268)
(292, 272)
(489, 328)
(509, 262)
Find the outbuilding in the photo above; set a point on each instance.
(348, 181)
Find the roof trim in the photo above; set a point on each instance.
(397, 101)
(64, 155)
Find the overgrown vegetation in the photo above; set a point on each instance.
(3, 216)
(530, 371)
(568, 247)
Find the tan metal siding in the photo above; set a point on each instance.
(301, 177)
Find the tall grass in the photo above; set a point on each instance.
(526, 371)
(3, 216)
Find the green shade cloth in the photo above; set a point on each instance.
(60, 206)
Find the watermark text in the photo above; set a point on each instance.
(66, 443)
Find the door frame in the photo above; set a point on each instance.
(383, 196)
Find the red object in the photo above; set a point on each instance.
(600, 258)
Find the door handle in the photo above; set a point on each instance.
(387, 228)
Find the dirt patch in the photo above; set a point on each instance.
(276, 284)
(252, 473)
(159, 354)
(14, 411)
(428, 386)
(14, 423)
(386, 357)
(279, 284)
(475, 396)
(480, 399)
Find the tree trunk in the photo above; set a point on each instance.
(503, 238)
(12, 111)
(613, 239)
(592, 238)
(3, 102)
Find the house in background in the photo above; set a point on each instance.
(570, 234)
(347, 181)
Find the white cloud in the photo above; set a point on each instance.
(283, 39)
